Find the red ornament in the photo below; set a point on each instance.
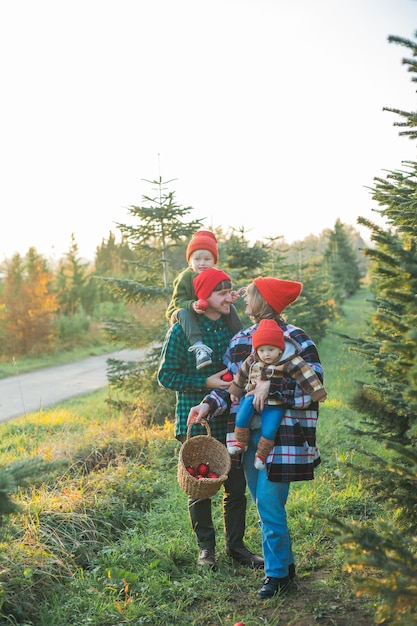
(202, 304)
(203, 469)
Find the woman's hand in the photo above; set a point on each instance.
(260, 394)
(197, 413)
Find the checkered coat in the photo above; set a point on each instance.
(295, 454)
(289, 365)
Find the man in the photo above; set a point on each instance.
(177, 371)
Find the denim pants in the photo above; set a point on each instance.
(271, 416)
(234, 513)
(270, 499)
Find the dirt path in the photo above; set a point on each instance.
(26, 393)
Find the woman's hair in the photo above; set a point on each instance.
(260, 308)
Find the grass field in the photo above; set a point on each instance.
(103, 537)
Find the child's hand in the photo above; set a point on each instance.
(200, 306)
(235, 296)
(234, 399)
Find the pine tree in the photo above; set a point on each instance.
(388, 553)
(342, 263)
(114, 259)
(316, 306)
(243, 261)
(159, 227)
(74, 289)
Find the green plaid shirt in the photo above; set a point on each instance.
(177, 371)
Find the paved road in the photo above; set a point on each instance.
(26, 393)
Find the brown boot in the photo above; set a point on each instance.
(264, 448)
(241, 441)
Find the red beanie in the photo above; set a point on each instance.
(278, 293)
(206, 282)
(203, 240)
(268, 333)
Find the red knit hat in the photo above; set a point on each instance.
(278, 293)
(203, 240)
(268, 333)
(206, 282)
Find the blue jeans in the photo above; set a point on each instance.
(270, 499)
(271, 416)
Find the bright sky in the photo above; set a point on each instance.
(267, 113)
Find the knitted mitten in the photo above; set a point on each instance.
(241, 441)
(264, 448)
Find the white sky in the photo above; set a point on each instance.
(267, 113)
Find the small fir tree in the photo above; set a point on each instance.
(342, 263)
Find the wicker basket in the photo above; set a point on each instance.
(202, 449)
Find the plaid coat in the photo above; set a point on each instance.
(295, 454)
(177, 371)
(289, 364)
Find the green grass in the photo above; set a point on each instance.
(105, 540)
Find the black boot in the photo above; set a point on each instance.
(271, 586)
(243, 556)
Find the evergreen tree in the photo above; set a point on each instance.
(243, 261)
(388, 554)
(159, 228)
(316, 306)
(342, 264)
(74, 289)
(277, 259)
(114, 259)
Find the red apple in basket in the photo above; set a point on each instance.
(191, 471)
(203, 469)
(212, 475)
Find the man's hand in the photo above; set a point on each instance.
(260, 394)
(216, 382)
(197, 413)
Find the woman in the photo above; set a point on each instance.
(295, 454)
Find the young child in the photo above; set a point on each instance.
(274, 357)
(201, 254)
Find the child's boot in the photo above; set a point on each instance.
(264, 448)
(240, 444)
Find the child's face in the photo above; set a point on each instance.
(201, 260)
(269, 354)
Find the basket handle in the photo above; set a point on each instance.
(203, 423)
